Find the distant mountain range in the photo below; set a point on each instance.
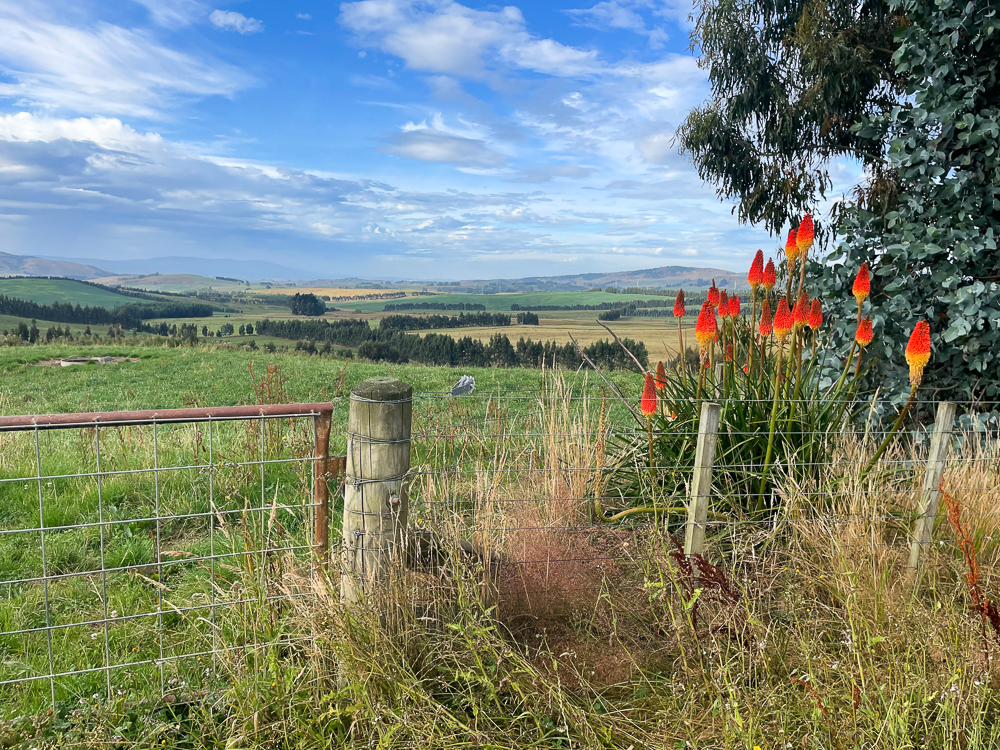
(27, 265)
(664, 277)
(211, 267)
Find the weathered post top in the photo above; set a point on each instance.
(384, 390)
(376, 500)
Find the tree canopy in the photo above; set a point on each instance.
(789, 79)
(932, 242)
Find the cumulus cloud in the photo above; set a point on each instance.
(435, 146)
(442, 36)
(620, 14)
(101, 68)
(230, 20)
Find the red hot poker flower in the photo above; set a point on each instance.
(723, 304)
(862, 284)
(713, 295)
(765, 319)
(783, 320)
(648, 403)
(729, 352)
(770, 276)
(734, 307)
(816, 315)
(706, 329)
(800, 312)
(918, 351)
(661, 376)
(679, 305)
(804, 234)
(756, 275)
(864, 334)
(791, 247)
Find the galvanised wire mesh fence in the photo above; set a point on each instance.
(131, 542)
(130, 552)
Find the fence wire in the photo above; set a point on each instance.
(129, 552)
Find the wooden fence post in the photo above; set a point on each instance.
(375, 498)
(923, 528)
(701, 483)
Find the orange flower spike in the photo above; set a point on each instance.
(765, 319)
(918, 352)
(783, 320)
(791, 248)
(800, 313)
(706, 330)
(734, 307)
(713, 295)
(804, 234)
(648, 403)
(770, 276)
(862, 284)
(864, 333)
(816, 315)
(723, 304)
(756, 275)
(661, 376)
(679, 305)
(729, 352)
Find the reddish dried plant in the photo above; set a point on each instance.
(981, 604)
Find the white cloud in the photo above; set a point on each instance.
(442, 36)
(100, 68)
(105, 132)
(230, 20)
(303, 16)
(174, 14)
(620, 14)
(429, 145)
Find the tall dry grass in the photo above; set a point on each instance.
(558, 631)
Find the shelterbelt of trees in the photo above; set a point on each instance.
(391, 345)
(129, 316)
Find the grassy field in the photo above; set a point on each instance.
(47, 291)
(172, 282)
(805, 633)
(502, 302)
(659, 334)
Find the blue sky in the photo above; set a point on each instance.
(379, 138)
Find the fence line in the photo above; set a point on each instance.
(152, 540)
(174, 522)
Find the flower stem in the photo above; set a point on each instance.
(649, 424)
(680, 344)
(892, 432)
(770, 437)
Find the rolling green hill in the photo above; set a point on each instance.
(47, 291)
(171, 282)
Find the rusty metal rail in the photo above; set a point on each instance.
(19, 423)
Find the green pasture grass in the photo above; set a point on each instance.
(171, 282)
(211, 499)
(47, 291)
(502, 302)
(10, 323)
